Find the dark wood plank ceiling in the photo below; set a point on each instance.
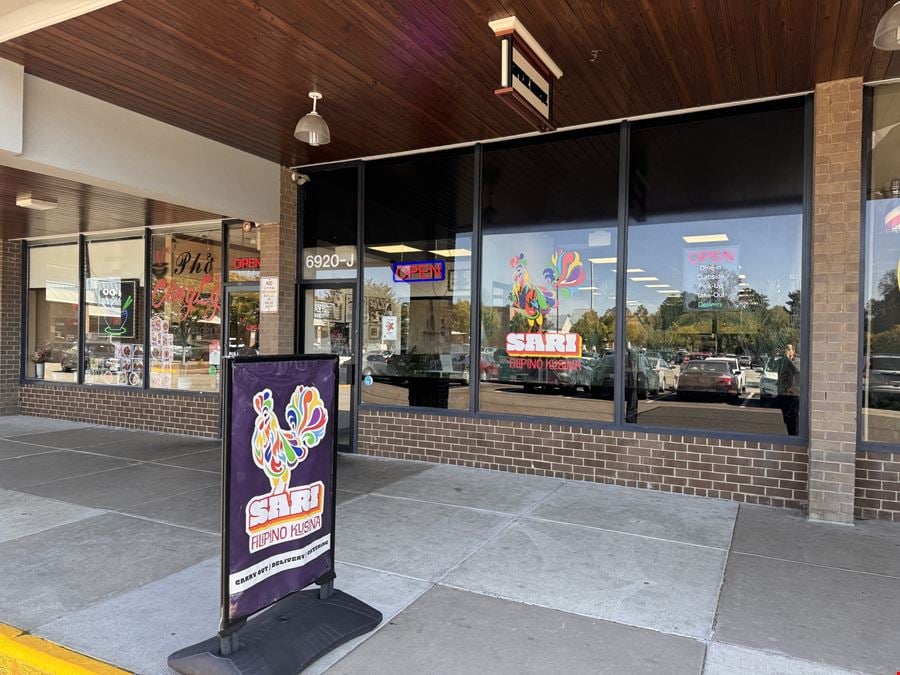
(405, 74)
(81, 208)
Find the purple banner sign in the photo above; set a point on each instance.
(279, 500)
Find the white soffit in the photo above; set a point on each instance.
(18, 17)
(70, 135)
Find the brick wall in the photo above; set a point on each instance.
(756, 473)
(878, 485)
(133, 409)
(278, 258)
(10, 324)
(835, 300)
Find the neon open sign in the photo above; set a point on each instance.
(425, 270)
(246, 263)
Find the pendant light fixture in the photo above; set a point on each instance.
(887, 32)
(312, 128)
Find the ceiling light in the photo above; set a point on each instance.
(657, 285)
(396, 248)
(29, 202)
(887, 32)
(452, 252)
(312, 128)
(670, 292)
(704, 238)
(634, 270)
(601, 261)
(742, 276)
(590, 288)
(645, 278)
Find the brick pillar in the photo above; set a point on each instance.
(835, 300)
(10, 324)
(278, 258)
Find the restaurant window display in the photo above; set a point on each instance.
(880, 385)
(417, 290)
(714, 271)
(186, 309)
(548, 270)
(51, 338)
(114, 312)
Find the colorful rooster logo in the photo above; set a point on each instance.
(534, 301)
(565, 273)
(278, 451)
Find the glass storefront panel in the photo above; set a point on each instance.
(548, 291)
(243, 253)
(114, 312)
(714, 272)
(880, 419)
(52, 324)
(328, 329)
(328, 217)
(186, 309)
(243, 321)
(418, 281)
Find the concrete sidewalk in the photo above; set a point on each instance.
(109, 545)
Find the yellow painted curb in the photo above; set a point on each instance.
(24, 654)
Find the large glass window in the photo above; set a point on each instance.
(880, 419)
(51, 339)
(417, 293)
(186, 309)
(714, 272)
(114, 312)
(548, 290)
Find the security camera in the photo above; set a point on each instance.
(299, 178)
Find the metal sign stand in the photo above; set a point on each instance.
(295, 631)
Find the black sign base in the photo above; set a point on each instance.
(286, 638)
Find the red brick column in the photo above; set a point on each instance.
(835, 300)
(10, 324)
(278, 258)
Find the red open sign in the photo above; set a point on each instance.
(246, 263)
(425, 270)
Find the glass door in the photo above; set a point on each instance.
(328, 328)
(241, 334)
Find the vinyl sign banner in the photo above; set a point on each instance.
(279, 470)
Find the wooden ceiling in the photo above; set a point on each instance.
(81, 208)
(402, 74)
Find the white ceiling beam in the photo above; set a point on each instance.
(19, 17)
(70, 135)
(12, 101)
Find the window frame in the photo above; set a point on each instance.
(618, 423)
(82, 241)
(885, 447)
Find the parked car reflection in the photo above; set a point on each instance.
(708, 377)
(881, 381)
(648, 381)
(768, 379)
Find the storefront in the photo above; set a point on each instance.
(679, 302)
(149, 312)
(685, 240)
